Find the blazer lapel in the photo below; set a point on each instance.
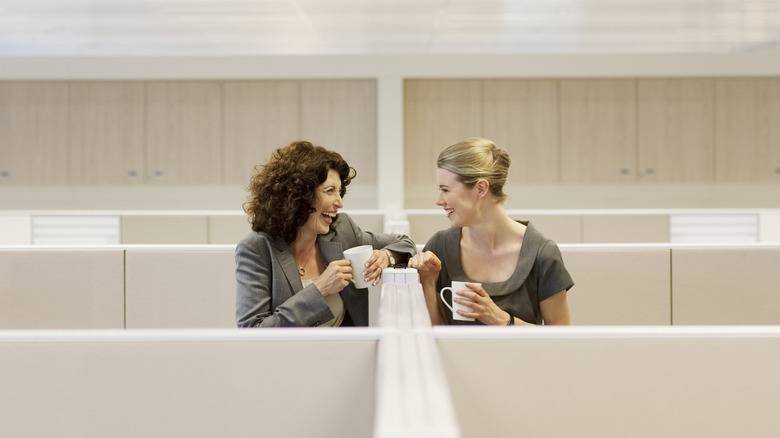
(288, 264)
(330, 250)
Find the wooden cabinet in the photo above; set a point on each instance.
(106, 135)
(341, 115)
(675, 120)
(598, 130)
(747, 130)
(437, 113)
(521, 116)
(258, 117)
(34, 127)
(184, 132)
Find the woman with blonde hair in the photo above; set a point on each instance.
(522, 275)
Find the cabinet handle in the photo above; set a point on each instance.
(5, 174)
(157, 174)
(624, 171)
(649, 171)
(132, 174)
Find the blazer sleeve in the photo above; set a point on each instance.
(394, 242)
(261, 285)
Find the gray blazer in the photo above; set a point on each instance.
(269, 291)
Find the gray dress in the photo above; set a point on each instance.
(539, 274)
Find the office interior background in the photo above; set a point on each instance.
(645, 140)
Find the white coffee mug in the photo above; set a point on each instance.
(358, 257)
(456, 286)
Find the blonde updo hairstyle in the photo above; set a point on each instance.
(474, 159)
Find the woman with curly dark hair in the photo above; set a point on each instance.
(290, 270)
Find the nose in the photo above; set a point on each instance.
(440, 199)
(338, 202)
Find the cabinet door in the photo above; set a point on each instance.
(341, 115)
(675, 130)
(184, 132)
(259, 117)
(106, 132)
(598, 134)
(34, 127)
(437, 113)
(521, 116)
(747, 130)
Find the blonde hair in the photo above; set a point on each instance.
(474, 159)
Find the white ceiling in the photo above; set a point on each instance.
(262, 27)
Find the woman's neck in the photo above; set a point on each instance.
(492, 228)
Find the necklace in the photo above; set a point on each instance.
(301, 268)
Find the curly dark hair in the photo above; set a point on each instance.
(283, 190)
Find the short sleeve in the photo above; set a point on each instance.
(552, 274)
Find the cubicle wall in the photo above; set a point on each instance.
(728, 285)
(628, 285)
(173, 288)
(162, 383)
(610, 382)
(61, 288)
(191, 286)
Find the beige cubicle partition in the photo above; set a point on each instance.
(208, 383)
(625, 228)
(619, 284)
(227, 229)
(168, 229)
(726, 285)
(573, 226)
(613, 381)
(169, 287)
(61, 288)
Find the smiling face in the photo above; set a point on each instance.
(326, 206)
(458, 200)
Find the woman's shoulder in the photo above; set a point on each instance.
(443, 237)
(257, 240)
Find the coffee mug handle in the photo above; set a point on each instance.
(441, 295)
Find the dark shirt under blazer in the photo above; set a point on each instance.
(269, 291)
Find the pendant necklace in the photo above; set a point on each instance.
(301, 269)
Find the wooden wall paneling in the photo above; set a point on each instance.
(598, 133)
(341, 115)
(675, 130)
(34, 127)
(747, 135)
(184, 132)
(106, 132)
(437, 113)
(259, 116)
(521, 116)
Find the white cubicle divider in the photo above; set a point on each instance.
(61, 288)
(619, 284)
(180, 286)
(642, 382)
(413, 399)
(194, 383)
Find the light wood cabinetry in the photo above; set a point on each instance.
(521, 116)
(34, 127)
(258, 117)
(675, 130)
(106, 137)
(437, 113)
(341, 115)
(598, 130)
(184, 132)
(748, 130)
